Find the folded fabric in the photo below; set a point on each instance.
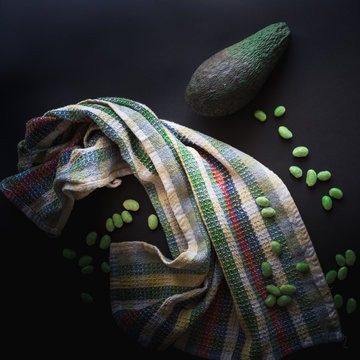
(208, 298)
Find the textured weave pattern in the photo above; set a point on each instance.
(208, 298)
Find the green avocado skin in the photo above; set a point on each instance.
(230, 79)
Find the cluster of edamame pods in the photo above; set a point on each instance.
(116, 221)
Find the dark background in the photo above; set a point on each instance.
(55, 53)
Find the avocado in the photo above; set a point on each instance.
(230, 79)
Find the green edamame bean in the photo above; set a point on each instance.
(285, 133)
(336, 193)
(153, 222)
(88, 269)
(279, 111)
(274, 290)
(105, 242)
(127, 217)
(324, 175)
(340, 260)
(131, 205)
(330, 276)
(283, 300)
(270, 301)
(338, 301)
(326, 202)
(268, 212)
(350, 257)
(85, 260)
(351, 305)
(342, 273)
(295, 171)
(266, 269)
(105, 267)
(311, 177)
(86, 298)
(300, 151)
(109, 225)
(69, 254)
(260, 115)
(276, 248)
(262, 201)
(287, 289)
(91, 238)
(118, 221)
(302, 267)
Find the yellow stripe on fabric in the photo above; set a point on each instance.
(157, 280)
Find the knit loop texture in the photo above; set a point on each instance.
(208, 297)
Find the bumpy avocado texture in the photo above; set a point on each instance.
(231, 78)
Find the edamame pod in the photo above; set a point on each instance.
(272, 289)
(276, 248)
(330, 276)
(350, 257)
(287, 289)
(340, 260)
(283, 300)
(118, 221)
(268, 212)
(270, 301)
(338, 301)
(266, 269)
(351, 305)
(105, 242)
(302, 267)
(326, 202)
(109, 225)
(342, 273)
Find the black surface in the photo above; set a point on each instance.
(61, 52)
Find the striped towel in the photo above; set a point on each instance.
(208, 298)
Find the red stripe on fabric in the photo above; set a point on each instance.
(250, 263)
(210, 321)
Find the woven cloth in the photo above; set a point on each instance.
(208, 298)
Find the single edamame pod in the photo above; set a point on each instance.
(86, 298)
(302, 267)
(336, 193)
(85, 260)
(118, 221)
(262, 201)
(324, 175)
(109, 225)
(351, 305)
(91, 238)
(276, 248)
(131, 205)
(342, 273)
(300, 151)
(350, 257)
(279, 111)
(274, 290)
(153, 222)
(127, 217)
(295, 171)
(69, 254)
(326, 202)
(268, 212)
(340, 260)
(287, 289)
(260, 115)
(88, 269)
(266, 269)
(105, 242)
(311, 177)
(330, 276)
(105, 267)
(283, 300)
(338, 301)
(270, 301)
(285, 133)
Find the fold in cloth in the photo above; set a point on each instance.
(208, 298)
